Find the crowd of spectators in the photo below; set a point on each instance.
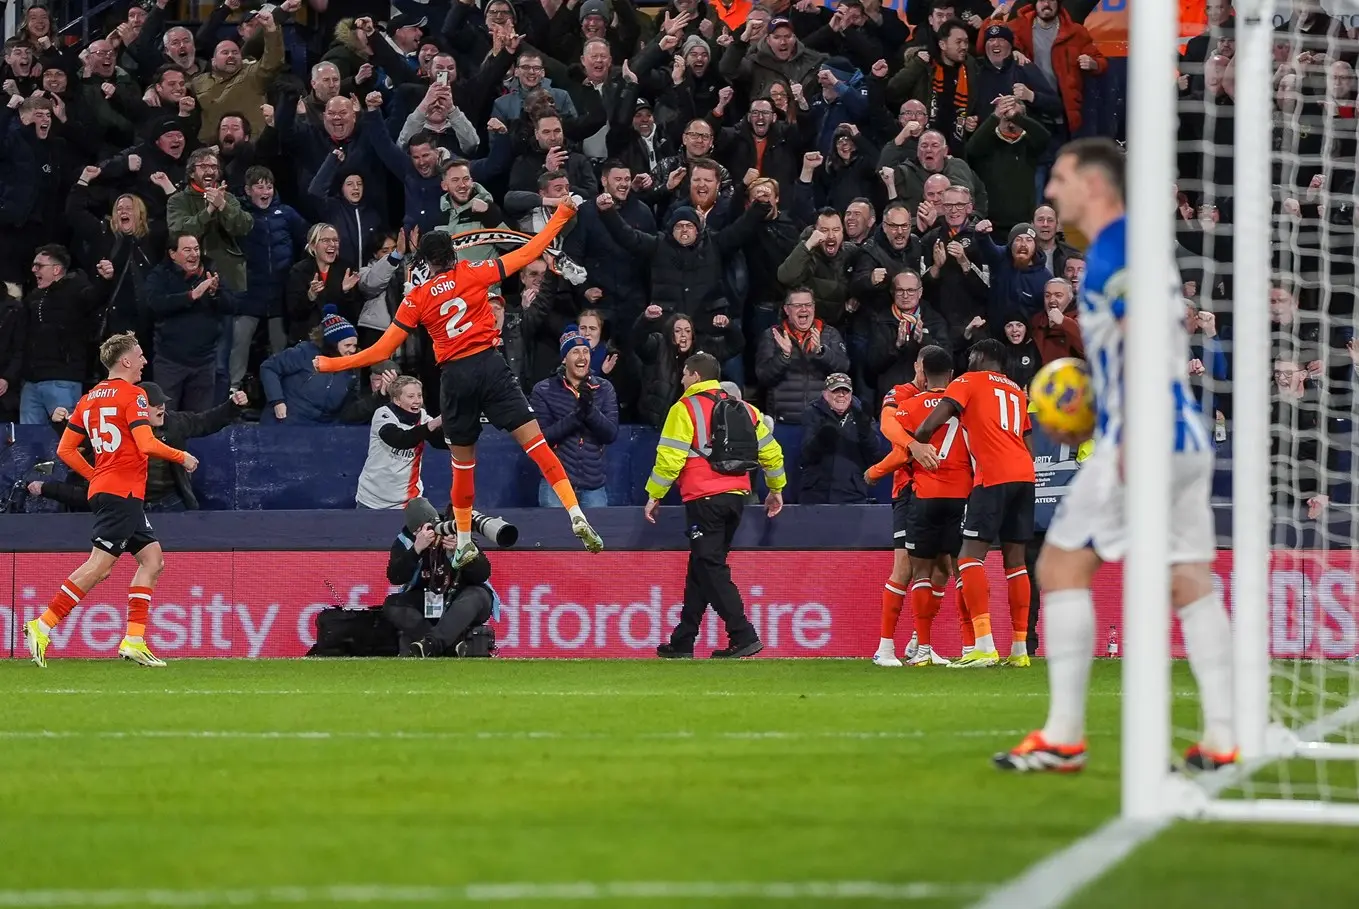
(810, 193)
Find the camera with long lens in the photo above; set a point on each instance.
(498, 530)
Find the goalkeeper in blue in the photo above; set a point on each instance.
(1087, 188)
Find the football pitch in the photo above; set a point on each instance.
(592, 783)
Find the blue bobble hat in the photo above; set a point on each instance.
(334, 326)
(571, 338)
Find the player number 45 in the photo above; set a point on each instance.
(459, 308)
(105, 436)
(1009, 401)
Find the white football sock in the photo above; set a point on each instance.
(986, 643)
(1019, 648)
(131, 640)
(464, 537)
(886, 645)
(44, 627)
(575, 512)
(1069, 636)
(1208, 641)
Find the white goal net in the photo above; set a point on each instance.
(1267, 225)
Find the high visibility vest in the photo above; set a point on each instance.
(733, 16)
(697, 479)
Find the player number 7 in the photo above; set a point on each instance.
(107, 437)
(949, 436)
(459, 307)
(1017, 427)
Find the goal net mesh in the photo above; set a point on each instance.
(1313, 570)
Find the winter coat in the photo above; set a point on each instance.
(690, 279)
(827, 279)
(310, 146)
(850, 105)
(765, 251)
(510, 106)
(374, 279)
(837, 183)
(663, 363)
(312, 397)
(911, 177)
(58, 332)
(304, 313)
(166, 477)
(782, 159)
(116, 173)
(1022, 359)
(836, 451)
(757, 68)
(915, 82)
(995, 81)
(877, 253)
(793, 382)
(1072, 41)
(1057, 341)
(959, 296)
(462, 218)
(578, 424)
(608, 265)
(1012, 287)
(1007, 168)
(186, 330)
(114, 129)
(886, 364)
(133, 257)
(541, 325)
(12, 318)
(276, 238)
(356, 224)
(218, 232)
(241, 93)
(529, 166)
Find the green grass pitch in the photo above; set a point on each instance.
(658, 783)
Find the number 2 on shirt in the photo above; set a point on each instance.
(459, 307)
(1016, 425)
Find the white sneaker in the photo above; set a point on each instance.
(885, 658)
(912, 648)
(926, 656)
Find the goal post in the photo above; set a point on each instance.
(1276, 179)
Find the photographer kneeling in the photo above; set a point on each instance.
(439, 609)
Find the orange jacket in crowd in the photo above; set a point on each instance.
(1072, 41)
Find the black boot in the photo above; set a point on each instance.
(425, 647)
(669, 651)
(736, 651)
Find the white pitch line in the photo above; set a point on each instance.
(1060, 876)
(559, 693)
(418, 735)
(632, 891)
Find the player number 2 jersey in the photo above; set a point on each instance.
(106, 416)
(995, 420)
(953, 478)
(454, 308)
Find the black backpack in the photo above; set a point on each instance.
(733, 450)
(354, 633)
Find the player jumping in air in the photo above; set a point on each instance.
(113, 418)
(1087, 187)
(994, 414)
(454, 308)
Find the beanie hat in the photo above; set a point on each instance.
(594, 8)
(844, 70)
(1022, 229)
(419, 512)
(514, 13)
(1000, 31)
(683, 213)
(571, 338)
(692, 42)
(335, 327)
(165, 127)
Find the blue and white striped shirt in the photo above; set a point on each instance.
(1103, 300)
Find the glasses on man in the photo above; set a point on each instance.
(696, 134)
(897, 225)
(38, 265)
(906, 291)
(531, 67)
(761, 113)
(954, 206)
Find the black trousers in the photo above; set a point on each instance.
(712, 524)
(467, 609)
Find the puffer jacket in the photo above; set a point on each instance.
(1012, 287)
(827, 278)
(277, 236)
(663, 363)
(578, 434)
(688, 279)
(312, 397)
(621, 276)
(794, 382)
(356, 224)
(877, 252)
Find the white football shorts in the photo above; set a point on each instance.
(1091, 515)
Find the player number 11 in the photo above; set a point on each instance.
(1015, 426)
